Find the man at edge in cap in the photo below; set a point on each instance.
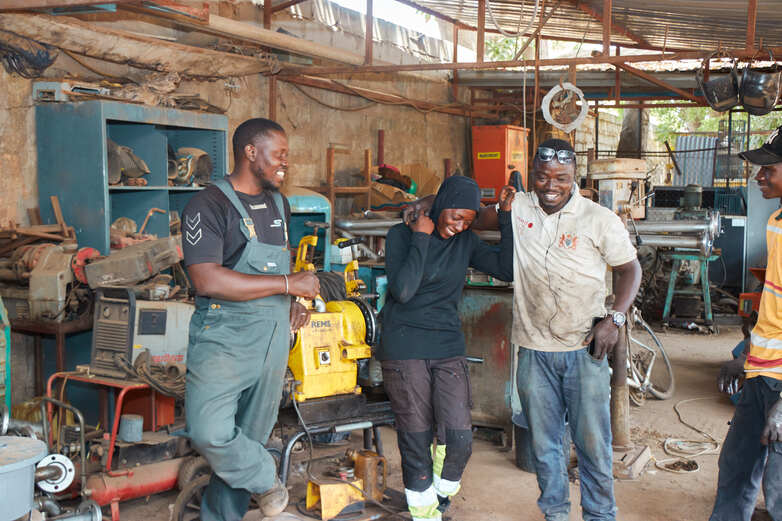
(752, 451)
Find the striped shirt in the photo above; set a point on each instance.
(765, 350)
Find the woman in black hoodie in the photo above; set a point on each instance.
(422, 348)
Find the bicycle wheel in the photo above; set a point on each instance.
(647, 355)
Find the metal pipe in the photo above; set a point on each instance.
(25, 426)
(701, 243)
(82, 442)
(47, 505)
(356, 224)
(48, 472)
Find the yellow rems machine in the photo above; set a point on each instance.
(323, 361)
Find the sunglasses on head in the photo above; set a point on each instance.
(547, 154)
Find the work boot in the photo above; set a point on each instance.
(273, 501)
(445, 502)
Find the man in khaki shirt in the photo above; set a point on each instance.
(563, 245)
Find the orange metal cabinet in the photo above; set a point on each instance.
(498, 150)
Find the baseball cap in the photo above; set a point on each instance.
(768, 154)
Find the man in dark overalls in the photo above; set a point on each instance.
(235, 241)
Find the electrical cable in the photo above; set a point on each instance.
(684, 450)
(161, 378)
(521, 14)
(334, 107)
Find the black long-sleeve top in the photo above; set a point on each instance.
(425, 281)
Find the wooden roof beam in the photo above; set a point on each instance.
(381, 97)
(660, 83)
(7, 5)
(608, 14)
(752, 16)
(615, 28)
(317, 70)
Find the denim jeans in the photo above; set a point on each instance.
(745, 463)
(551, 385)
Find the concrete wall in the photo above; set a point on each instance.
(609, 128)
(18, 185)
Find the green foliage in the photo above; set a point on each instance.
(669, 121)
(503, 49)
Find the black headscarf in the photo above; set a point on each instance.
(456, 192)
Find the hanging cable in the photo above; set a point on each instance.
(521, 14)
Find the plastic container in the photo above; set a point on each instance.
(18, 457)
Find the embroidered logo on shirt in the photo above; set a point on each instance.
(568, 241)
(523, 223)
(261, 206)
(192, 222)
(276, 224)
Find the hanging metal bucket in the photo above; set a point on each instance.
(721, 93)
(760, 90)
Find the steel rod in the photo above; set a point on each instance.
(701, 243)
(679, 227)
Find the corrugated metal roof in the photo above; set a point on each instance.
(692, 24)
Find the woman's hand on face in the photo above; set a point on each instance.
(506, 198)
(422, 223)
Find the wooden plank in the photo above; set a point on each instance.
(58, 214)
(330, 179)
(34, 214)
(7, 5)
(455, 80)
(370, 20)
(481, 36)
(660, 83)
(254, 34)
(615, 28)
(128, 48)
(607, 17)
(267, 14)
(383, 97)
(617, 80)
(273, 98)
(752, 16)
(368, 176)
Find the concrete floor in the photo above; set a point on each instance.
(495, 489)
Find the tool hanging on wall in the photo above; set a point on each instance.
(557, 107)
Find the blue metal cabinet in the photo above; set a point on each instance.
(72, 162)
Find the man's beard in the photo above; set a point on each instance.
(268, 185)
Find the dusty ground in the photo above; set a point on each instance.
(494, 489)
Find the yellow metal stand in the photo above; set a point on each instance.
(333, 496)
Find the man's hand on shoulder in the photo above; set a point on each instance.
(506, 198)
(412, 210)
(605, 334)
